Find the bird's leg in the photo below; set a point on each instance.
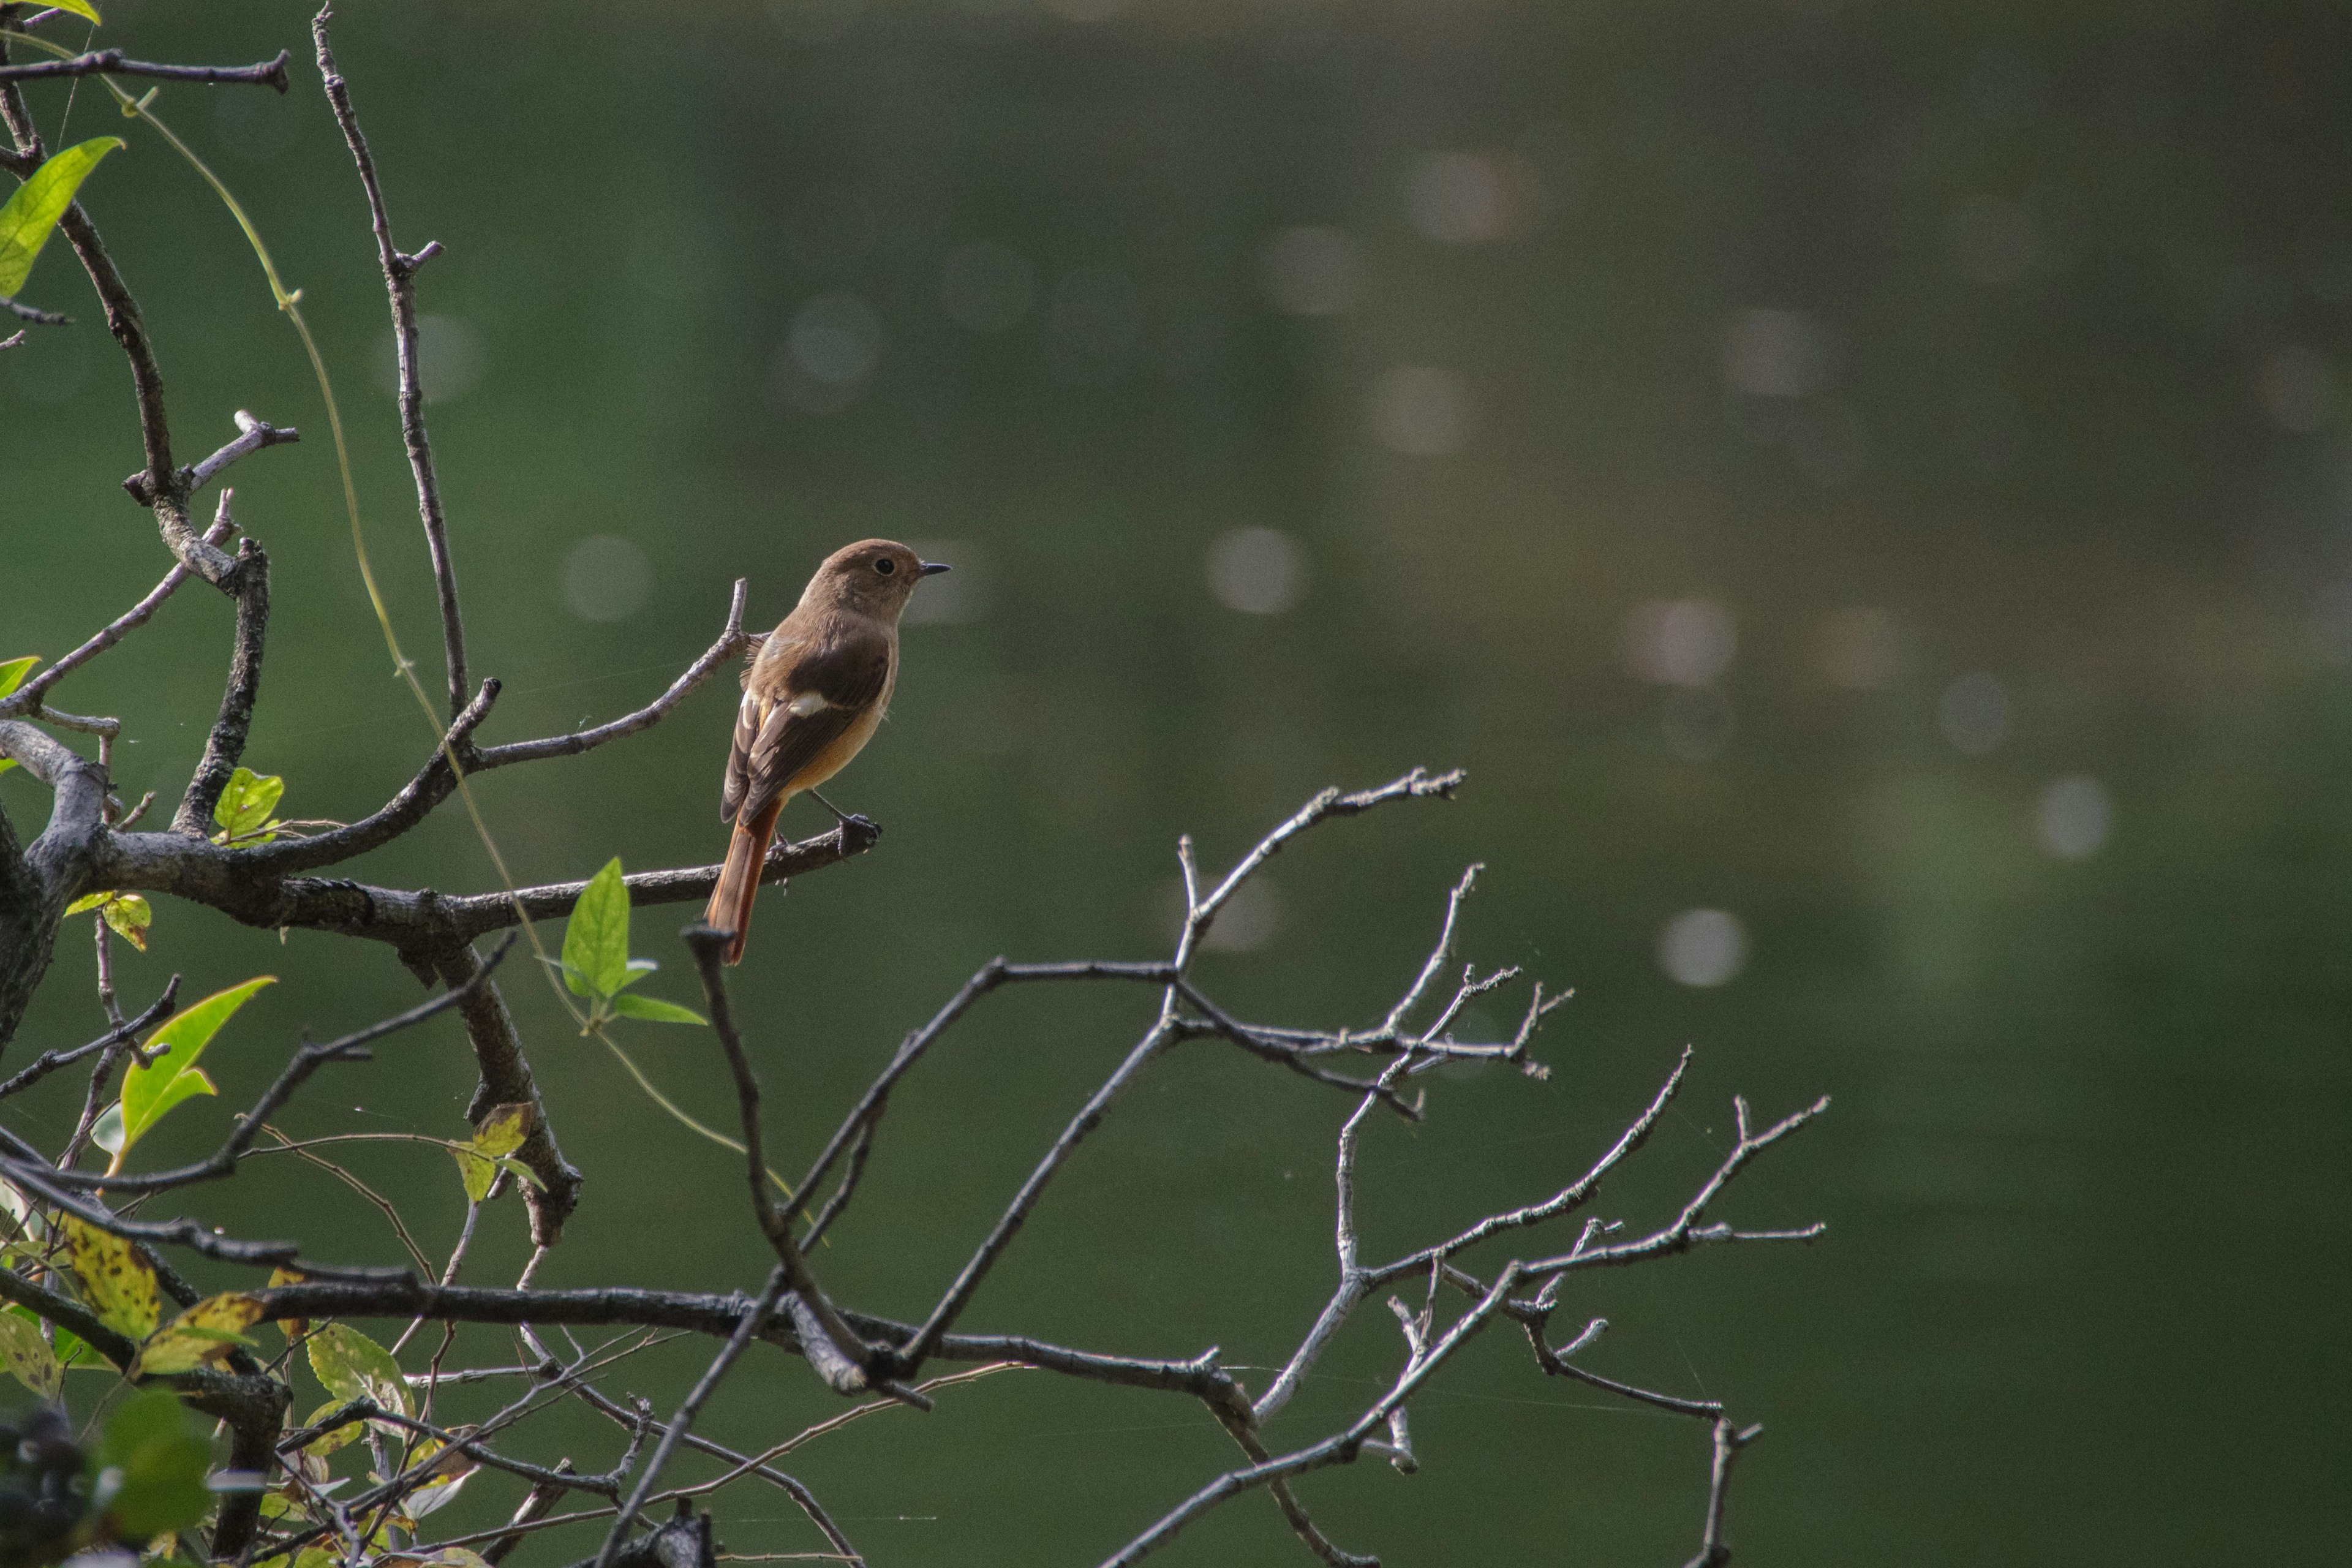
(839, 815)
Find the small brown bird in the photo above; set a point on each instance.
(812, 700)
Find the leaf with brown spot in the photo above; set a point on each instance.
(115, 1280)
(202, 1335)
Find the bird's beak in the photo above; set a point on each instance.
(930, 568)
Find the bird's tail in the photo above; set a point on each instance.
(738, 880)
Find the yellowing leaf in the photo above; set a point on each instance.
(498, 1134)
(115, 1280)
(327, 1442)
(292, 1328)
(354, 1366)
(32, 213)
(80, 8)
(13, 672)
(150, 1093)
(203, 1334)
(30, 1360)
(128, 916)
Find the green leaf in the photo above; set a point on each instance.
(88, 902)
(39, 202)
(596, 937)
(30, 1360)
(159, 1453)
(651, 1010)
(203, 1334)
(244, 808)
(354, 1366)
(498, 1134)
(150, 1093)
(6, 763)
(13, 672)
(116, 1281)
(574, 981)
(80, 8)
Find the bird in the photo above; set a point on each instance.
(812, 697)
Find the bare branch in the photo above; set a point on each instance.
(24, 312)
(731, 642)
(1728, 1441)
(506, 1079)
(399, 273)
(224, 747)
(1686, 1231)
(1339, 1449)
(111, 62)
(811, 1310)
(253, 435)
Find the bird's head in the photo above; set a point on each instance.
(874, 576)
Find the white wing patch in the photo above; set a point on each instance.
(806, 703)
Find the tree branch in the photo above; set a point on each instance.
(399, 274)
(506, 1080)
(111, 62)
(224, 747)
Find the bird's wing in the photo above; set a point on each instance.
(787, 724)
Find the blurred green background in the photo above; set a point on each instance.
(1863, 491)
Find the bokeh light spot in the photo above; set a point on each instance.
(1469, 198)
(832, 351)
(1772, 352)
(1422, 411)
(1703, 947)
(1974, 713)
(1681, 642)
(2074, 818)
(1311, 271)
(606, 578)
(1257, 571)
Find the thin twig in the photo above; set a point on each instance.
(399, 281)
(752, 1320)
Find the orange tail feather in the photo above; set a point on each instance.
(738, 880)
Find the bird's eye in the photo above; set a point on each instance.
(885, 566)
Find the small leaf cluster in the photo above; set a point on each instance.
(497, 1136)
(596, 965)
(245, 811)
